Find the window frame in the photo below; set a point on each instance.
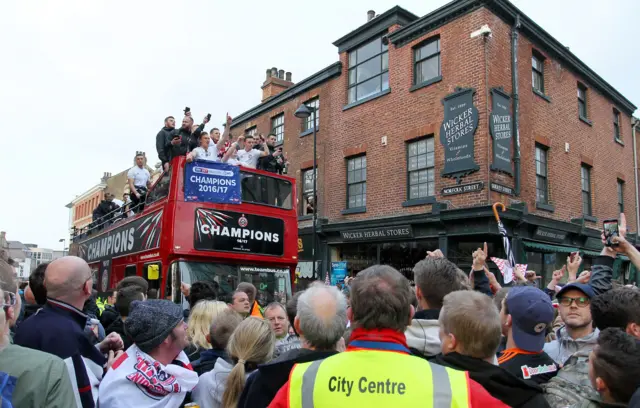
(545, 151)
(384, 49)
(419, 169)
(251, 131)
(416, 61)
(306, 124)
(620, 185)
(582, 101)
(306, 193)
(278, 128)
(540, 59)
(361, 182)
(586, 169)
(617, 133)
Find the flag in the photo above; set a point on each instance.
(505, 269)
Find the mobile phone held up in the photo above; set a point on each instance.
(187, 110)
(610, 228)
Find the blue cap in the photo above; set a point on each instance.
(531, 313)
(582, 287)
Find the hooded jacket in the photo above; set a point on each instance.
(109, 315)
(269, 163)
(422, 335)
(263, 385)
(118, 327)
(497, 381)
(211, 386)
(207, 360)
(564, 346)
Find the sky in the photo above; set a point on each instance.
(85, 84)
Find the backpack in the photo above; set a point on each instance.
(7, 385)
(572, 385)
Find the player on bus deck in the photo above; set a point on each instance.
(139, 183)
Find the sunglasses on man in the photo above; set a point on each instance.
(581, 301)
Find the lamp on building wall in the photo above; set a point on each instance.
(303, 112)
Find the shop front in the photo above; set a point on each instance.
(401, 242)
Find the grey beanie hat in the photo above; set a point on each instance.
(151, 321)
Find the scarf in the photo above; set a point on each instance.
(137, 380)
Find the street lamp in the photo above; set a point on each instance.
(303, 112)
(64, 245)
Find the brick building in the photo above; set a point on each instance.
(406, 159)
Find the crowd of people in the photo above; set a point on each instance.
(194, 142)
(455, 340)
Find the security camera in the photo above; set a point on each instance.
(385, 40)
(484, 30)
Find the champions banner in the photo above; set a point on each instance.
(212, 182)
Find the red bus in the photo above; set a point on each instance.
(173, 240)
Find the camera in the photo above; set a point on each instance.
(208, 116)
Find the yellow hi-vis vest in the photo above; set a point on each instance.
(372, 378)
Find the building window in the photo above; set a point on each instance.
(252, 131)
(308, 200)
(616, 124)
(620, 196)
(277, 127)
(308, 122)
(426, 62)
(368, 70)
(582, 101)
(537, 68)
(586, 189)
(421, 168)
(542, 186)
(357, 182)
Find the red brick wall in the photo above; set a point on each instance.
(402, 115)
(83, 210)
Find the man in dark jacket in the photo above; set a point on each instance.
(185, 139)
(125, 297)
(470, 329)
(59, 328)
(163, 138)
(274, 162)
(321, 320)
(105, 211)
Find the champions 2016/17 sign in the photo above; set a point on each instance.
(212, 182)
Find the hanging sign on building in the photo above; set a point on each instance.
(463, 188)
(456, 134)
(500, 127)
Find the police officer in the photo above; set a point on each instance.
(378, 370)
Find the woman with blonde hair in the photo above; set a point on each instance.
(251, 344)
(199, 325)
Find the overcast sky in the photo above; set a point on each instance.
(84, 84)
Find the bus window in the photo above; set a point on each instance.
(272, 283)
(130, 270)
(161, 189)
(261, 189)
(226, 276)
(153, 274)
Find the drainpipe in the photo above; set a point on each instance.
(634, 124)
(516, 104)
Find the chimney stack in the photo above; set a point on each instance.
(277, 81)
(370, 15)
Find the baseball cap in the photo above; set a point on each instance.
(582, 287)
(531, 312)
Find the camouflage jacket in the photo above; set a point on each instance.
(571, 387)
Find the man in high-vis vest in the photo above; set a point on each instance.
(252, 292)
(378, 370)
